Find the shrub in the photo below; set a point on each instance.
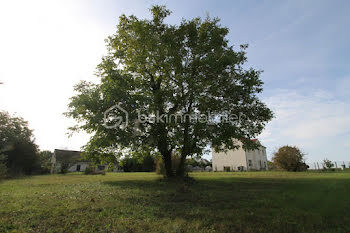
(193, 162)
(91, 170)
(3, 167)
(88, 171)
(138, 162)
(64, 168)
(3, 171)
(271, 166)
(129, 164)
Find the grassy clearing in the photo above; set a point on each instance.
(140, 202)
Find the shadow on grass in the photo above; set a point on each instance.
(236, 203)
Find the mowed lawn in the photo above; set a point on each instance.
(142, 202)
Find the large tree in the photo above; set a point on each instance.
(186, 74)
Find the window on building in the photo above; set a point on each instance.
(78, 167)
(250, 163)
(101, 167)
(227, 169)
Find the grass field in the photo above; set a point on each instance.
(141, 202)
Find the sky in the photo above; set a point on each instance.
(46, 47)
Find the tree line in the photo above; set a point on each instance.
(19, 154)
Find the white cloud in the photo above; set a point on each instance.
(315, 121)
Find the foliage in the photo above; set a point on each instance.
(17, 143)
(111, 167)
(3, 171)
(45, 158)
(64, 167)
(3, 167)
(159, 166)
(66, 159)
(97, 155)
(289, 158)
(271, 165)
(139, 161)
(328, 164)
(176, 72)
(65, 163)
(130, 164)
(89, 170)
(195, 162)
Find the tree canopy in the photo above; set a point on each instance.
(289, 158)
(174, 87)
(327, 164)
(17, 145)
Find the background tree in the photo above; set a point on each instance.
(198, 162)
(45, 160)
(153, 68)
(193, 162)
(328, 164)
(17, 144)
(139, 161)
(3, 167)
(289, 158)
(271, 165)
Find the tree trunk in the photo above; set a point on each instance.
(165, 152)
(161, 131)
(184, 152)
(168, 164)
(180, 172)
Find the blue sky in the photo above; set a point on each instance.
(302, 46)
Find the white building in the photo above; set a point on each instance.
(240, 159)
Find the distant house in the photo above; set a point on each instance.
(72, 161)
(240, 159)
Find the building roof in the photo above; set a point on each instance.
(68, 155)
(258, 142)
(255, 140)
